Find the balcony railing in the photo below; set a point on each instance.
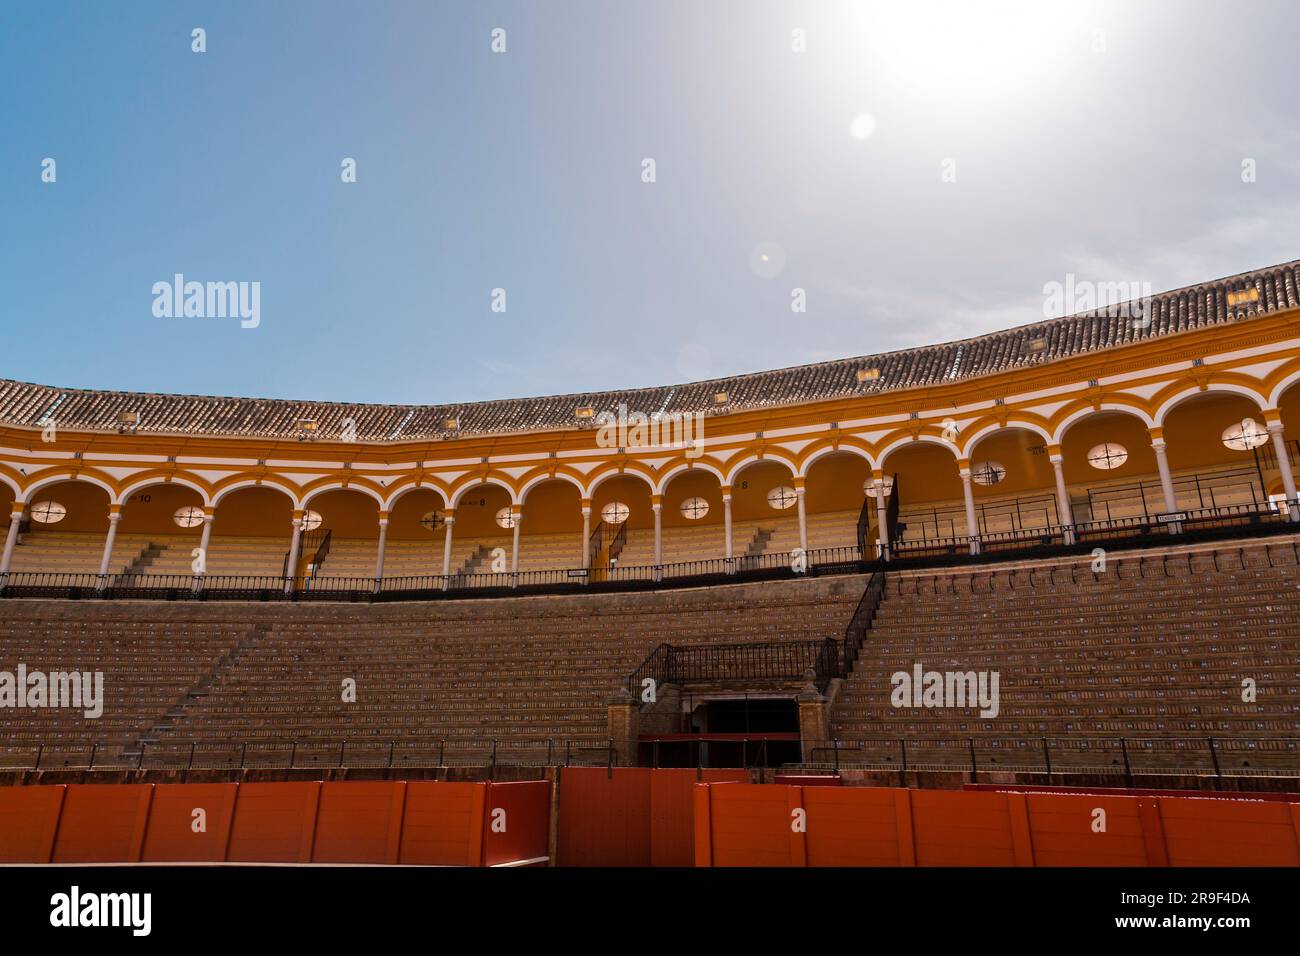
(1135, 532)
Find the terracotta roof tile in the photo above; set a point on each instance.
(1277, 288)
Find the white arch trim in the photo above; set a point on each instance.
(403, 491)
(156, 480)
(629, 472)
(558, 476)
(698, 465)
(339, 486)
(768, 456)
(802, 471)
(1075, 417)
(1162, 413)
(1011, 425)
(907, 441)
(28, 496)
(461, 492)
(1276, 395)
(290, 493)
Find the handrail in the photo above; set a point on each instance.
(863, 616)
(1210, 524)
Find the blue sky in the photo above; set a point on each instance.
(1101, 139)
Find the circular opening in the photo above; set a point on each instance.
(188, 517)
(988, 473)
(782, 497)
(614, 513)
(311, 520)
(1107, 456)
(432, 520)
(1244, 435)
(506, 517)
(48, 512)
(694, 508)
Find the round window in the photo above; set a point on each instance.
(506, 517)
(614, 513)
(188, 517)
(48, 512)
(694, 509)
(1244, 435)
(988, 472)
(432, 520)
(311, 520)
(782, 497)
(1107, 456)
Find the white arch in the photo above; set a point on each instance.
(906, 441)
(698, 465)
(12, 484)
(1276, 395)
(767, 456)
(292, 495)
(1011, 425)
(1162, 413)
(629, 472)
(310, 496)
(1077, 416)
(536, 480)
(460, 493)
(833, 450)
(402, 492)
(27, 496)
(162, 480)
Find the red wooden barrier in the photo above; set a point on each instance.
(172, 835)
(752, 826)
(443, 824)
(103, 823)
(518, 821)
(274, 823)
(359, 822)
(29, 820)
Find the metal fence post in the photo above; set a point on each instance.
(140, 763)
(1214, 756)
(902, 769)
(1047, 757)
(492, 767)
(94, 749)
(974, 769)
(1128, 770)
(609, 759)
(190, 765)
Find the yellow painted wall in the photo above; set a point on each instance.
(263, 512)
(150, 510)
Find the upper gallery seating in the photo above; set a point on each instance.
(1157, 645)
(68, 552)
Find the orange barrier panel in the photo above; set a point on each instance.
(672, 812)
(1219, 833)
(604, 817)
(858, 826)
(359, 822)
(962, 829)
(751, 826)
(517, 823)
(1067, 831)
(103, 823)
(274, 823)
(176, 833)
(29, 820)
(443, 824)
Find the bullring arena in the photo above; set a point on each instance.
(931, 607)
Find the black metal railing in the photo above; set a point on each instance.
(740, 662)
(272, 753)
(1158, 530)
(1092, 754)
(863, 615)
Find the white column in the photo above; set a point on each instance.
(972, 524)
(15, 519)
(205, 539)
(383, 544)
(448, 521)
(114, 516)
(1283, 465)
(586, 534)
(803, 521)
(1166, 481)
(882, 517)
(291, 570)
(1063, 509)
(726, 524)
(514, 547)
(657, 507)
